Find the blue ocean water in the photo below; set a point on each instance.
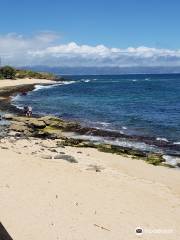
(143, 105)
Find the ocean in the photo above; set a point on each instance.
(145, 106)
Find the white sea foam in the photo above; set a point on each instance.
(176, 143)
(40, 87)
(135, 145)
(16, 98)
(105, 124)
(19, 107)
(85, 80)
(172, 160)
(13, 102)
(117, 142)
(67, 82)
(162, 139)
(124, 127)
(99, 124)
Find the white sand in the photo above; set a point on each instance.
(18, 82)
(55, 199)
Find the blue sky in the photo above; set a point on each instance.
(115, 24)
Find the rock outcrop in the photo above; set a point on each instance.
(54, 128)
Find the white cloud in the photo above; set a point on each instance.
(43, 49)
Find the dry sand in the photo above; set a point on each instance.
(102, 197)
(18, 82)
(54, 199)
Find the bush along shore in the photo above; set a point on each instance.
(8, 72)
(53, 128)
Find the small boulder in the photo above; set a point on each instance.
(46, 156)
(51, 120)
(66, 157)
(155, 159)
(18, 127)
(36, 123)
(8, 116)
(53, 132)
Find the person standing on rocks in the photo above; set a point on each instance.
(29, 111)
(26, 110)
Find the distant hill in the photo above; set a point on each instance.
(104, 70)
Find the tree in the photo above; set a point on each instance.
(8, 72)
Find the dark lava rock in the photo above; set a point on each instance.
(52, 150)
(66, 157)
(36, 123)
(155, 159)
(46, 156)
(95, 168)
(121, 150)
(71, 142)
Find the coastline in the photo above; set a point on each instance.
(76, 132)
(8, 88)
(57, 191)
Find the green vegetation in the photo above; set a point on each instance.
(32, 74)
(8, 72)
(155, 159)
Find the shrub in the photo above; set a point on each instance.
(1, 76)
(7, 72)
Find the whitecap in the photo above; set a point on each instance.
(176, 143)
(98, 123)
(162, 139)
(105, 124)
(85, 80)
(67, 82)
(19, 107)
(40, 87)
(16, 98)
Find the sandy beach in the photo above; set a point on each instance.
(45, 195)
(55, 199)
(25, 81)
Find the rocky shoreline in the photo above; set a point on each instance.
(54, 128)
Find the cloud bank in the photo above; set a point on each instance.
(45, 49)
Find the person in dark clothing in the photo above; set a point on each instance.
(26, 110)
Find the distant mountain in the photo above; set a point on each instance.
(104, 70)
